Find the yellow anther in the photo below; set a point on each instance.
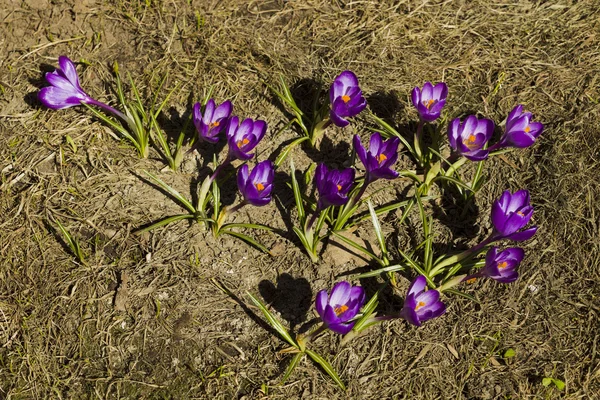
(419, 305)
(340, 309)
(520, 213)
(259, 186)
(346, 98)
(502, 265)
(381, 158)
(527, 128)
(339, 187)
(472, 280)
(470, 141)
(428, 103)
(214, 124)
(243, 142)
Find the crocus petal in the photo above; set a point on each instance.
(521, 139)
(68, 70)
(360, 150)
(375, 144)
(436, 309)
(242, 177)
(523, 235)
(469, 126)
(427, 92)
(429, 297)
(536, 129)
(321, 302)
(209, 111)
(347, 78)
(440, 91)
(416, 97)
(224, 110)
(478, 155)
(57, 99)
(417, 285)
(410, 316)
(516, 112)
(337, 120)
(453, 132)
(340, 294)
(341, 328)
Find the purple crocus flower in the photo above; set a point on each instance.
(333, 185)
(501, 266)
(257, 185)
(65, 90)
(421, 305)
(430, 100)
(341, 306)
(382, 155)
(244, 137)
(213, 121)
(469, 137)
(346, 98)
(510, 213)
(520, 130)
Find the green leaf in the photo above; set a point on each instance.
(367, 310)
(558, 383)
(297, 194)
(327, 367)
(510, 352)
(273, 321)
(246, 239)
(250, 226)
(378, 231)
(546, 381)
(358, 247)
(455, 181)
(286, 150)
(291, 367)
(72, 242)
(172, 192)
(377, 272)
(462, 294)
(164, 222)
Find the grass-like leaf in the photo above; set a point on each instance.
(274, 322)
(286, 150)
(359, 247)
(293, 364)
(172, 192)
(72, 243)
(377, 272)
(250, 226)
(326, 367)
(297, 194)
(462, 294)
(164, 222)
(251, 241)
(378, 231)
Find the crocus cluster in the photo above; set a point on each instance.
(471, 137)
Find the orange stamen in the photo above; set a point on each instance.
(346, 98)
(243, 142)
(339, 187)
(259, 186)
(472, 280)
(520, 213)
(428, 103)
(419, 305)
(527, 128)
(470, 141)
(214, 124)
(381, 158)
(502, 265)
(340, 309)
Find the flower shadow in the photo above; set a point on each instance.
(290, 297)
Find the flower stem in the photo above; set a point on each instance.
(110, 110)
(459, 257)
